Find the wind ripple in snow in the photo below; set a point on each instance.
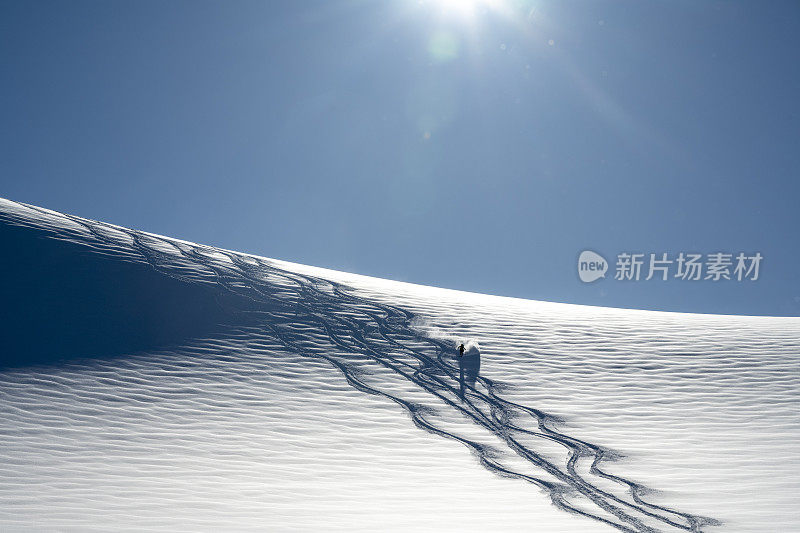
(284, 313)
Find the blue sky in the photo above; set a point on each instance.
(478, 150)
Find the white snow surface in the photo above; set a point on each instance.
(333, 405)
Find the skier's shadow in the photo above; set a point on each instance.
(469, 366)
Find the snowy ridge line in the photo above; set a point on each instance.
(379, 352)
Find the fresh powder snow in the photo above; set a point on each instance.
(149, 383)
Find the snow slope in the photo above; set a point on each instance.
(148, 383)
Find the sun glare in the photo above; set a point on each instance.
(465, 8)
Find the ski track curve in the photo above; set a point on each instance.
(363, 339)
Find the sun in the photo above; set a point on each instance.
(464, 8)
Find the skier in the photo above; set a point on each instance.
(461, 350)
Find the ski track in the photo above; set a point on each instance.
(381, 350)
